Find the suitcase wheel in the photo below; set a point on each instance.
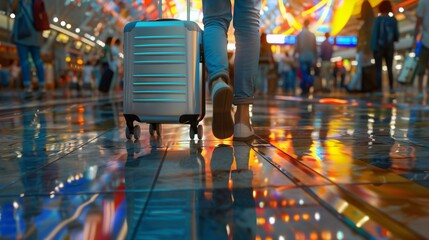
(191, 132)
(137, 132)
(196, 130)
(127, 133)
(155, 127)
(200, 132)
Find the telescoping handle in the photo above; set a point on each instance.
(188, 9)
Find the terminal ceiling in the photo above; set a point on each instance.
(101, 18)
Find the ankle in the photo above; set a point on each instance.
(242, 115)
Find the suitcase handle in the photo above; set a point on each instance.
(168, 19)
(188, 9)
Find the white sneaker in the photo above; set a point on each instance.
(242, 132)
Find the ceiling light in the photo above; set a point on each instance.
(12, 15)
(77, 30)
(68, 26)
(55, 19)
(63, 23)
(401, 9)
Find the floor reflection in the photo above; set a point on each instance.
(324, 167)
(231, 211)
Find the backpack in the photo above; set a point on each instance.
(41, 19)
(387, 33)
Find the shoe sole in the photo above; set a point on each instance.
(244, 139)
(222, 125)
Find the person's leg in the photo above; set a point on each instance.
(422, 67)
(285, 84)
(38, 62)
(343, 78)
(293, 80)
(217, 17)
(305, 72)
(378, 67)
(323, 75)
(388, 56)
(356, 82)
(246, 23)
(25, 65)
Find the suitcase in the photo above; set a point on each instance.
(163, 75)
(369, 78)
(408, 72)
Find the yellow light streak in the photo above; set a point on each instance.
(315, 7)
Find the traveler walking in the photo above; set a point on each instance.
(116, 51)
(306, 49)
(88, 75)
(28, 41)
(363, 47)
(384, 33)
(422, 25)
(286, 73)
(326, 52)
(108, 66)
(246, 20)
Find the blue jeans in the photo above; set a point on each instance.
(217, 18)
(387, 55)
(288, 81)
(307, 79)
(24, 62)
(356, 82)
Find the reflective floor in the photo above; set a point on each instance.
(332, 166)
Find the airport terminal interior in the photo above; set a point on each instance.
(328, 165)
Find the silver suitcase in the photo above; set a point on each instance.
(163, 75)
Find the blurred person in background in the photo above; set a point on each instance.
(15, 75)
(286, 72)
(306, 50)
(108, 66)
(116, 54)
(363, 47)
(97, 72)
(385, 33)
(422, 25)
(339, 69)
(326, 52)
(88, 76)
(28, 43)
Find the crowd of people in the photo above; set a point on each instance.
(310, 66)
(256, 71)
(87, 78)
(27, 36)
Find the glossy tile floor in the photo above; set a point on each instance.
(333, 166)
